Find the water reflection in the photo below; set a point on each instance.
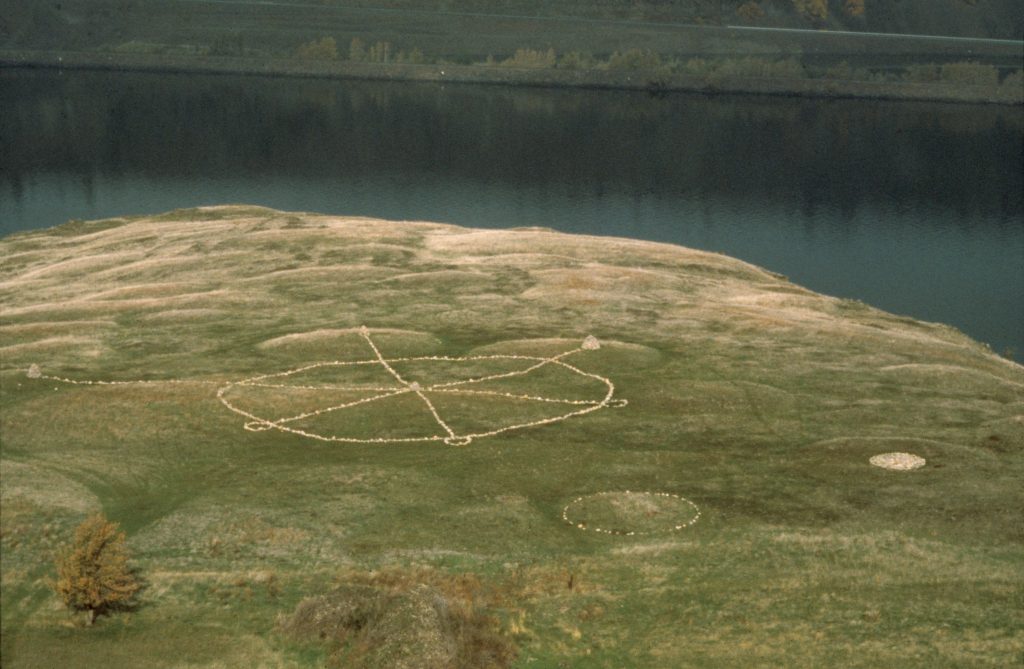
(916, 208)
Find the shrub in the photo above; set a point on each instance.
(380, 52)
(531, 58)
(324, 49)
(789, 68)
(1014, 80)
(92, 572)
(576, 60)
(698, 67)
(841, 70)
(634, 59)
(853, 7)
(357, 50)
(919, 73)
(414, 57)
(815, 11)
(750, 12)
(975, 74)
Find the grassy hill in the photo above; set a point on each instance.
(277, 406)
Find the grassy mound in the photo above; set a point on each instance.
(398, 623)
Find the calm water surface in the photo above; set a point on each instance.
(914, 208)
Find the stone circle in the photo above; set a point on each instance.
(630, 513)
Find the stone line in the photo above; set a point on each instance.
(415, 387)
(377, 389)
(346, 405)
(532, 398)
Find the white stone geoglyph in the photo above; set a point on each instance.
(674, 525)
(400, 386)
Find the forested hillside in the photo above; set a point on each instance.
(73, 23)
(1002, 19)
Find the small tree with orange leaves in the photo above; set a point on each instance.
(815, 11)
(750, 12)
(92, 572)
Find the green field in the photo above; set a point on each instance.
(748, 400)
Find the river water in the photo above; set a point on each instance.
(916, 208)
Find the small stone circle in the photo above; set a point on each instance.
(624, 512)
(897, 461)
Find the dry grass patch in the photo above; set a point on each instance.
(447, 279)
(144, 290)
(491, 245)
(53, 327)
(68, 346)
(521, 260)
(375, 229)
(178, 315)
(860, 444)
(244, 535)
(962, 379)
(44, 487)
(347, 342)
(346, 274)
(1003, 435)
(154, 267)
(653, 548)
(61, 308)
(94, 264)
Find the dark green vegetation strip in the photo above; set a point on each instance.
(973, 83)
(758, 401)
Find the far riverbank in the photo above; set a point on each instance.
(655, 81)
